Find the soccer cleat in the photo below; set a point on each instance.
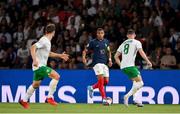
(104, 102)
(138, 104)
(126, 99)
(90, 89)
(24, 104)
(107, 101)
(51, 101)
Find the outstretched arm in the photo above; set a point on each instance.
(116, 57)
(63, 56)
(143, 55)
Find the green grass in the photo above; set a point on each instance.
(87, 108)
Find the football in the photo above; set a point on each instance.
(109, 101)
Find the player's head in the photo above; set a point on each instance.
(50, 29)
(131, 34)
(100, 33)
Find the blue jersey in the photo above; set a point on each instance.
(100, 50)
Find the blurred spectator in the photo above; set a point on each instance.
(79, 64)
(74, 21)
(5, 38)
(155, 57)
(39, 29)
(26, 30)
(156, 23)
(53, 63)
(84, 38)
(23, 53)
(2, 57)
(168, 14)
(92, 10)
(145, 29)
(18, 36)
(53, 14)
(4, 17)
(174, 37)
(168, 61)
(177, 54)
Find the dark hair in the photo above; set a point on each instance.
(50, 28)
(100, 29)
(130, 31)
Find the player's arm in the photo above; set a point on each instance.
(63, 56)
(109, 55)
(87, 48)
(143, 55)
(84, 52)
(33, 54)
(116, 57)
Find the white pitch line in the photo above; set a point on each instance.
(92, 113)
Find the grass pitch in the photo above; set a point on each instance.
(10, 108)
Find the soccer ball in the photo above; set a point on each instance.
(108, 101)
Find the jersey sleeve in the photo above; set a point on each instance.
(90, 46)
(120, 49)
(107, 45)
(139, 45)
(40, 43)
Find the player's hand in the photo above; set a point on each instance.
(110, 64)
(149, 64)
(35, 63)
(64, 56)
(84, 60)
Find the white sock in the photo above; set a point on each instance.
(52, 87)
(136, 86)
(139, 85)
(29, 93)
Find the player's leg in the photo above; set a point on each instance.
(29, 93)
(98, 69)
(101, 86)
(52, 87)
(106, 75)
(102, 73)
(94, 86)
(36, 82)
(134, 75)
(106, 80)
(137, 84)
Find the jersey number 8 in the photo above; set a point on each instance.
(126, 48)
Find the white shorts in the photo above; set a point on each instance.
(101, 69)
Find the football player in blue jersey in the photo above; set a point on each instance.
(99, 47)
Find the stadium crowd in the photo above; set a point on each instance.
(156, 23)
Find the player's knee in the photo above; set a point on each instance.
(35, 85)
(106, 82)
(57, 77)
(142, 83)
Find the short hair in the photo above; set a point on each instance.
(130, 31)
(100, 29)
(50, 28)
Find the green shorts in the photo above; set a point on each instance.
(132, 72)
(41, 73)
